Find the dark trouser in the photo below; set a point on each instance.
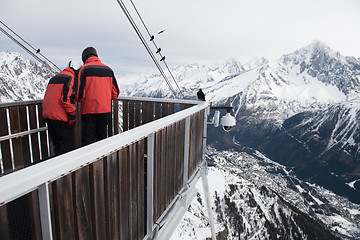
(61, 136)
(94, 127)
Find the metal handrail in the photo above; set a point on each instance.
(145, 99)
(20, 103)
(21, 134)
(162, 100)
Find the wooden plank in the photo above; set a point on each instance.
(63, 208)
(157, 175)
(116, 117)
(110, 126)
(147, 114)
(170, 164)
(182, 106)
(157, 110)
(119, 189)
(5, 145)
(150, 112)
(111, 187)
(83, 220)
(200, 132)
(163, 182)
(199, 139)
(133, 193)
(4, 223)
(25, 139)
(16, 143)
(34, 136)
(125, 115)
(185, 106)
(157, 183)
(43, 137)
(171, 108)
(164, 109)
(192, 144)
(131, 114)
(137, 113)
(35, 215)
(173, 159)
(124, 193)
(145, 108)
(78, 127)
(53, 211)
(98, 199)
(177, 133)
(180, 133)
(141, 189)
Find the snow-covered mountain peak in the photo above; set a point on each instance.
(310, 52)
(21, 79)
(327, 66)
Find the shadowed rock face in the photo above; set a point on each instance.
(321, 146)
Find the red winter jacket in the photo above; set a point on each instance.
(97, 87)
(59, 97)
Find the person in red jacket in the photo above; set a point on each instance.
(58, 109)
(97, 87)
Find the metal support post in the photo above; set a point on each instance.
(150, 184)
(204, 179)
(205, 184)
(45, 215)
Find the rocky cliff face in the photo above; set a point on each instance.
(321, 146)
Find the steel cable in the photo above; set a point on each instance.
(26, 49)
(138, 32)
(156, 47)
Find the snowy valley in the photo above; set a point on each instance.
(254, 198)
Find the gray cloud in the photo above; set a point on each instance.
(204, 31)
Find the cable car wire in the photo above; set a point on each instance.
(152, 39)
(132, 22)
(37, 51)
(22, 46)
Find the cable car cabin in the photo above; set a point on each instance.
(136, 184)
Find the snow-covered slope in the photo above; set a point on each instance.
(253, 198)
(21, 79)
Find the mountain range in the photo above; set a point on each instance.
(301, 110)
(289, 169)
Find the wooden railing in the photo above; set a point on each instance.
(24, 139)
(118, 188)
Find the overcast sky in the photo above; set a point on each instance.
(201, 31)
